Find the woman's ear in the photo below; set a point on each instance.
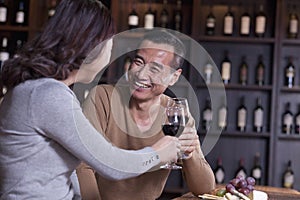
(175, 76)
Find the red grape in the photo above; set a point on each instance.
(250, 187)
(242, 184)
(235, 182)
(245, 191)
(250, 180)
(230, 188)
(240, 177)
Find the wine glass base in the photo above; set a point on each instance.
(170, 166)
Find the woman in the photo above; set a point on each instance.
(43, 132)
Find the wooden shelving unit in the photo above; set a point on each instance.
(275, 148)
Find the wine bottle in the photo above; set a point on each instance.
(297, 121)
(19, 45)
(208, 70)
(228, 22)
(242, 116)
(258, 114)
(288, 176)
(243, 79)
(4, 53)
(287, 120)
(3, 12)
(20, 14)
(51, 9)
(293, 26)
(133, 18)
(222, 118)
(241, 171)
(210, 24)
(256, 171)
(260, 71)
(219, 172)
(164, 15)
(226, 68)
(207, 115)
(245, 24)
(290, 73)
(260, 22)
(178, 16)
(149, 18)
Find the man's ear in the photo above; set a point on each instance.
(175, 76)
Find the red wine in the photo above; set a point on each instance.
(172, 129)
(177, 119)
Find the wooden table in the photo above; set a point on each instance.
(273, 193)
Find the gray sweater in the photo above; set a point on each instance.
(43, 137)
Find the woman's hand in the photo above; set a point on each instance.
(167, 148)
(189, 141)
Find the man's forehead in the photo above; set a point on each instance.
(151, 45)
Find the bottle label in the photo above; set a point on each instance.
(3, 14)
(256, 173)
(228, 25)
(258, 118)
(207, 115)
(133, 20)
(51, 12)
(222, 117)
(290, 72)
(149, 21)
(208, 72)
(220, 175)
(20, 17)
(210, 22)
(288, 180)
(226, 70)
(260, 24)
(242, 174)
(164, 19)
(293, 26)
(242, 118)
(245, 26)
(243, 74)
(288, 120)
(260, 74)
(4, 56)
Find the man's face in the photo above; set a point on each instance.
(150, 72)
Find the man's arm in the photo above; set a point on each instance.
(196, 171)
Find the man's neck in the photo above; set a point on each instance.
(144, 113)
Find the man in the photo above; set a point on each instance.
(131, 118)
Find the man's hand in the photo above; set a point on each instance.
(189, 141)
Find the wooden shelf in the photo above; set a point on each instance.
(292, 137)
(295, 89)
(232, 39)
(293, 42)
(14, 28)
(237, 134)
(236, 86)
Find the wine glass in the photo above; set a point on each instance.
(176, 118)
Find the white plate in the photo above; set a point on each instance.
(259, 195)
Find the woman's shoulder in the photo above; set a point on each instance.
(48, 87)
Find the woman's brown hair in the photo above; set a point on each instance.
(76, 28)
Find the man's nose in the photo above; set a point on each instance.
(143, 72)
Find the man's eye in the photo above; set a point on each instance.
(138, 62)
(154, 69)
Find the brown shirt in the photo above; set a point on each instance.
(107, 109)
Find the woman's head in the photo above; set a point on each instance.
(76, 28)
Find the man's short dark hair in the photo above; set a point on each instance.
(165, 37)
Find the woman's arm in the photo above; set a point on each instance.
(56, 113)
